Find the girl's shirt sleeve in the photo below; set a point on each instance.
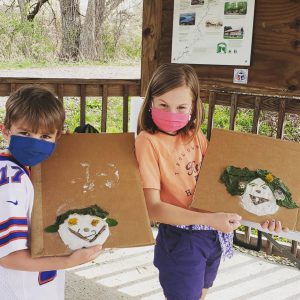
(148, 162)
(203, 142)
(14, 221)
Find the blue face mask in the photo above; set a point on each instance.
(30, 151)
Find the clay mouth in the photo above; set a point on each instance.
(258, 200)
(87, 238)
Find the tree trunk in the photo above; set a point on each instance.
(23, 5)
(97, 12)
(71, 28)
(23, 9)
(87, 38)
(102, 10)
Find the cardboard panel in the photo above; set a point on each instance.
(88, 169)
(228, 148)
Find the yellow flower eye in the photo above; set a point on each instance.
(73, 221)
(95, 222)
(269, 177)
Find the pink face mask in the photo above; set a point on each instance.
(169, 121)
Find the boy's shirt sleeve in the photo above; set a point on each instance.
(148, 162)
(14, 221)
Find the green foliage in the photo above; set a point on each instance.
(93, 210)
(38, 42)
(93, 113)
(23, 41)
(131, 48)
(254, 232)
(267, 122)
(120, 46)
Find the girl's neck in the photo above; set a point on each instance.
(168, 133)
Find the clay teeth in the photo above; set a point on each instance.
(258, 200)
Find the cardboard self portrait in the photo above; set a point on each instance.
(88, 193)
(252, 175)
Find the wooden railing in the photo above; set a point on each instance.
(84, 88)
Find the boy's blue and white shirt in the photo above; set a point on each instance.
(16, 202)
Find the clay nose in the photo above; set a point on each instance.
(86, 229)
(258, 191)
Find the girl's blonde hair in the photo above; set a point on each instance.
(166, 78)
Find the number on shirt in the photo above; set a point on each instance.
(4, 179)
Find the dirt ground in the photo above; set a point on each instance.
(86, 72)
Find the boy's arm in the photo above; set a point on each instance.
(15, 205)
(21, 260)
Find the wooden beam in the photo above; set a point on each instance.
(125, 109)
(256, 115)
(281, 118)
(152, 22)
(82, 104)
(233, 111)
(211, 109)
(104, 109)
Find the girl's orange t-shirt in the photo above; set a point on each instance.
(170, 164)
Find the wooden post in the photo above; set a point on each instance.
(12, 87)
(125, 108)
(281, 117)
(294, 248)
(104, 108)
(233, 111)
(82, 104)
(152, 18)
(256, 115)
(247, 235)
(211, 109)
(60, 92)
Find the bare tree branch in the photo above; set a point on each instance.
(10, 6)
(36, 9)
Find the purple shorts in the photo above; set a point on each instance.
(187, 260)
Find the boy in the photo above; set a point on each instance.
(34, 120)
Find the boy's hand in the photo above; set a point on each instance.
(274, 226)
(84, 255)
(225, 222)
(66, 131)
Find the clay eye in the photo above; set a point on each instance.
(95, 222)
(73, 221)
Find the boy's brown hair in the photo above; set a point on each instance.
(37, 107)
(168, 77)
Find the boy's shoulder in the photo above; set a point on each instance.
(11, 170)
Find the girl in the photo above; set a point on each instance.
(170, 150)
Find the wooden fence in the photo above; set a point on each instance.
(84, 88)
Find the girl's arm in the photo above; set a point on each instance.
(171, 214)
(22, 260)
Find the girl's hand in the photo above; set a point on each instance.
(84, 255)
(274, 226)
(225, 222)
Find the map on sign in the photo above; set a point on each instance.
(212, 32)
